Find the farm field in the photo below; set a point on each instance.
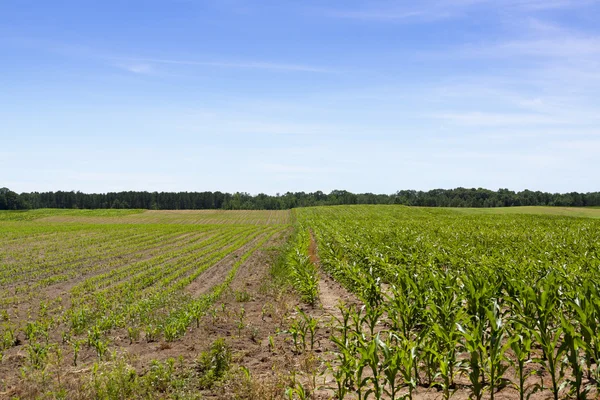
(84, 285)
(590, 212)
(197, 217)
(458, 303)
(356, 302)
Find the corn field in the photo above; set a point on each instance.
(487, 305)
(98, 280)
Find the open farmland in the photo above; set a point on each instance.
(456, 303)
(363, 302)
(79, 285)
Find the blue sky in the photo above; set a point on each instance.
(275, 96)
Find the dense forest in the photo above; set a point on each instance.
(459, 197)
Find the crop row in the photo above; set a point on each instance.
(454, 301)
(183, 217)
(118, 278)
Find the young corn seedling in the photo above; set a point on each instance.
(38, 354)
(76, 344)
(297, 392)
(271, 344)
(311, 326)
(299, 329)
(241, 322)
(94, 340)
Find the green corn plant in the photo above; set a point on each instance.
(399, 359)
(94, 340)
(544, 329)
(445, 364)
(409, 365)
(354, 355)
(271, 344)
(572, 344)
(495, 348)
(309, 325)
(391, 366)
(369, 353)
(133, 333)
(297, 392)
(371, 289)
(76, 344)
(371, 318)
(429, 357)
(171, 332)
(152, 333)
(446, 335)
(241, 322)
(472, 333)
(299, 329)
(344, 372)
(304, 273)
(405, 304)
(587, 317)
(341, 376)
(197, 313)
(38, 354)
(520, 344)
(342, 324)
(362, 388)
(9, 337)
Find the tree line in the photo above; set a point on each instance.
(459, 197)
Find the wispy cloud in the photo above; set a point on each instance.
(552, 4)
(147, 65)
(559, 47)
(235, 64)
(434, 10)
(293, 168)
(481, 119)
(378, 14)
(137, 68)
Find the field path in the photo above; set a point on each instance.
(331, 293)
